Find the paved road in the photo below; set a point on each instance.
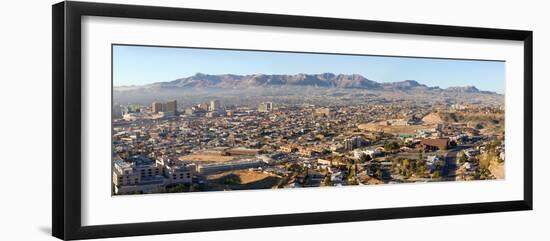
(451, 162)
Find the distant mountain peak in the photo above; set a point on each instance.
(200, 80)
(405, 85)
(326, 80)
(411, 82)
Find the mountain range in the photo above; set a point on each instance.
(327, 80)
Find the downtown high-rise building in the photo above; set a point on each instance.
(352, 143)
(265, 107)
(156, 107)
(215, 105)
(172, 107)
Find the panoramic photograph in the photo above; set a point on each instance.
(201, 119)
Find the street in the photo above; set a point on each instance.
(449, 170)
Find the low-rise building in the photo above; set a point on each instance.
(243, 151)
(434, 144)
(137, 174)
(228, 166)
(288, 148)
(308, 151)
(431, 162)
(176, 172)
(471, 152)
(372, 153)
(322, 112)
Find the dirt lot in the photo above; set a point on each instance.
(396, 129)
(497, 169)
(242, 180)
(245, 177)
(199, 157)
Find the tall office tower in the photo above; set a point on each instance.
(203, 106)
(117, 111)
(352, 143)
(172, 107)
(265, 107)
(156, 107)
(215, 105)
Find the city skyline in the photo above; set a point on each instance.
(216, 132)
(140, 65)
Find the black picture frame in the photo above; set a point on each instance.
(66, 76)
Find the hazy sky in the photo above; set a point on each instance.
(138, 65)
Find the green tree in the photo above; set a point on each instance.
(407, 174)
(391, 145)
(374, 168)
(378, 173)
(364, 158)
(479, 126)
(406, 165)
(420, 168)
(179, 188)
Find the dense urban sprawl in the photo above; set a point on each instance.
(212, 146)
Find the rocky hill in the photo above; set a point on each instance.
(327, 80)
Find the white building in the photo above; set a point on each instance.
(265, 107)
(431, 162)
(371, 152)
(471, 152)
(137, 174)
(176, 174)
(215, 105)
